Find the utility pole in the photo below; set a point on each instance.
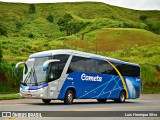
(96, 46)
(70, 39)
(86, 46)
(76, 45)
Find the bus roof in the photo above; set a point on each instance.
(79, 53)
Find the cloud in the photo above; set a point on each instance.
(136, 4)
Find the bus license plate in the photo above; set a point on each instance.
(29, 95)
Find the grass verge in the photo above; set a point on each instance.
(10, 96)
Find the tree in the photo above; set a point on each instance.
(143, 17)
(32, 8)
(50, 18)
(65, 23)
(3, 31)
(65, 19)
(71, 26)
(154, 26)
(31, 35)
(18, 25)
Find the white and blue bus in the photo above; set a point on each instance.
(69, 74)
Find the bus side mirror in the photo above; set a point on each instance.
(26, 68)
(46, 63)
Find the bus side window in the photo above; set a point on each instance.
(91, 65)
(76, 65)
(56, 68)
(105, 68)
(118, 66)
(128, 70)
(136, 71)
(54, 72)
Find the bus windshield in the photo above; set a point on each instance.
(35, 74)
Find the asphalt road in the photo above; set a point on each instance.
(147, 102)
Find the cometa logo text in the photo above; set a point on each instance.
(84, 77)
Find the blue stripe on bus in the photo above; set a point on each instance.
(24, 87)
(33, 87)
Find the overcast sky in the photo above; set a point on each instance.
(133, 4)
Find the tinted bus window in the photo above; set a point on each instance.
(128, 70)
(76, 65)
(81, 64)
(91, 65)
(118, 66)
(136, 71)
(56, 68)
(105, 68)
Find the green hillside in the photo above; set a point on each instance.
(121, 33)
(18, 20)
(113, 39)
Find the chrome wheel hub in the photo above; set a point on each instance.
(70, 97)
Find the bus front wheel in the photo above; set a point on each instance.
(122, 97)
(69, 97)
(47, 101)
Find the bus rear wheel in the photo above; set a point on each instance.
(102, 100)
(46, 101)
(69, 97)
(122, 97)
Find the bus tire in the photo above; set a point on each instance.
(46, 101)
(69, 97)
(102, 100)
(122, 97)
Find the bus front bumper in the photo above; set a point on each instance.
(34, 94)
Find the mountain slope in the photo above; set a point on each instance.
(18, 21)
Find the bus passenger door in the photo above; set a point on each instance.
(53, 77)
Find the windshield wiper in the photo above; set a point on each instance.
(35, 78)
(28, 76)
(31, 74)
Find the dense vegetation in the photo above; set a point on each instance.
(125, 34)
